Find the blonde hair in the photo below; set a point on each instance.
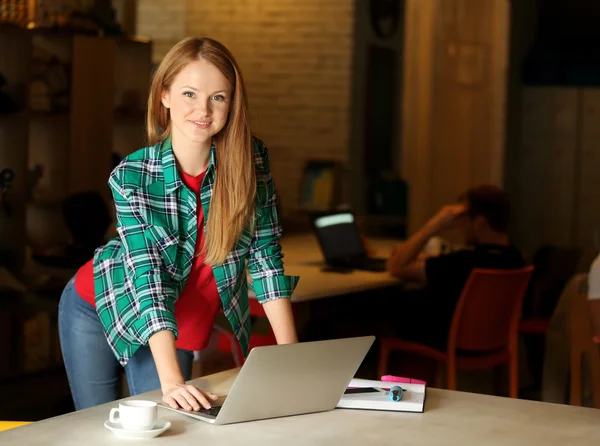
(233, 199)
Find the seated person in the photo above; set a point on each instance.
(481, 216)
(594, 294)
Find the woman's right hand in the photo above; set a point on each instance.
(187, 397)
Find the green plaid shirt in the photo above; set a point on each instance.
(139, 275)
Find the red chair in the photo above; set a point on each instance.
(227, 341)
(485, 324)
(536, 326)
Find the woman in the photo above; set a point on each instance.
(191, 210)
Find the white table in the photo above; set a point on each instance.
(303, 258)
(450, 418)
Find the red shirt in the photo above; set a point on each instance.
(199, 302)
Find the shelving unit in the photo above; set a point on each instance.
(108, 80)
(81, 98)
(15, 51)
(133, 68)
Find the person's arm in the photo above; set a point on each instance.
(265, 263)
(281, 318)
(405, 261)
(155, 298)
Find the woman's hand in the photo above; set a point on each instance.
(187, 397)
(176, 393)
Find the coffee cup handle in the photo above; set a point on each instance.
(112, 417)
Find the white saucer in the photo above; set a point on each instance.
(117, 429)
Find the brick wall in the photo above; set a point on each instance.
(163, 21)
(296, 59)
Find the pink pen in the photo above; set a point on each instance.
(399, 379)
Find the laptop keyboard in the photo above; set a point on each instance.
(213, 411)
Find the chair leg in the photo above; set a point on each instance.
(451, 372)
(439, 375)
(236, 350)
(513, 379)
(499, 387)
(575, 398)
(384, 353)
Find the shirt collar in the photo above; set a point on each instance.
(169, 163)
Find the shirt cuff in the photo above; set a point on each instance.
(153, 321)
(274, 287)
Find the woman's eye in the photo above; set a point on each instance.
(189, 94)
(219, 97)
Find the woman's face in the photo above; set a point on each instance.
(199, 100)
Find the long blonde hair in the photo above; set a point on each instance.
(233, 199)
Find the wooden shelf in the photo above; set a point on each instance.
(108, 81)
(15, 51)
(40, 114)
(57, 31)
(46, 202)
(7, 116)
(135, 39)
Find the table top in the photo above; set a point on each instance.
(450, 418)
(302, 257)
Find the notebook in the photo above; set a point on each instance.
(376, 396)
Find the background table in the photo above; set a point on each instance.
(302, 257)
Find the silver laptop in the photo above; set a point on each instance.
(293, 379)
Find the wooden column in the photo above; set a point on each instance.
(454, 104)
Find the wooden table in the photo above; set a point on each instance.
(320, 294)
(450, 418)
(303, 258)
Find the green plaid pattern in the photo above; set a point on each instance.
(139, 275)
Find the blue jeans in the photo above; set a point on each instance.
(92, 369)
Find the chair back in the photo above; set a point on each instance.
(554, 267)
(489, 309)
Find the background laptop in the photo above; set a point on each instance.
(341, 243)
(293, 379)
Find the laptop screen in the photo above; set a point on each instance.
(339, 236)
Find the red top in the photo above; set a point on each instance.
(198, 304)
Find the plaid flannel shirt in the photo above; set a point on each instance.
(139, 275)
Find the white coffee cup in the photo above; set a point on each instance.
(135, 414)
